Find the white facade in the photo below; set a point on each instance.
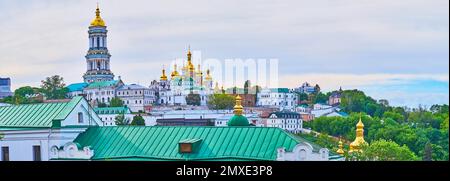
(289, 121)
(282, 98)
(136, 97)
(302, 152)
(23, 144)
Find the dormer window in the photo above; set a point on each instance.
(189, 145)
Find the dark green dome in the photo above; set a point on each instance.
(238, 120)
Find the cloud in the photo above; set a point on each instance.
(310, 38)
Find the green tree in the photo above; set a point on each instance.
(444, 124)
(54, 88)
(116, 102)
(302, 96)
(320, 98)
(382, 150)
(121, 120)
(221, 101)
(394, 115)
(138, 120)
(193, 99)
(24, 95)
(247, 86)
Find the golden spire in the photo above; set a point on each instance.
(190, 66)
(98, 21)
(174, 72)
(359, 140)
(208, 75)
(340, 151)
(238, 109)
(163, 76)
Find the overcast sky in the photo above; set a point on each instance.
(396, 50)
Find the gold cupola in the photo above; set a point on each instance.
(163, 76)
(174, 72)
(359, 140)
(238, 108)
(98, 21)
(190, 66)
(340, 151)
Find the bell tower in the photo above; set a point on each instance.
(97, 57)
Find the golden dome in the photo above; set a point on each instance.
(98, 21)
(238, 108)
(190, 66)
(175, 72)
(359, 140)
(163, 76)
(340, 151)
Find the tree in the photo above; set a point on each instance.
(320, 98)
(24, 95)
(116, 102)
(138, 120)
(247, 85)
(121, 120)
(302, 96)
(382, 150)
(193, 99)
(221, 101)
(54, 88)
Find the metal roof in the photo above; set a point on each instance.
(161, 143)
(77, 87)
(36, 115)
(132, 87)
(101, 84)
(112, 110)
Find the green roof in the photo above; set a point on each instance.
(112, 110)
(280, 90)
(100, 84)
(238, 121)
(161, 142)
(42, 115)
(76, 87)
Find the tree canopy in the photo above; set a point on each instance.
(221, 101)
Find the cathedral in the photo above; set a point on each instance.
(190, 80)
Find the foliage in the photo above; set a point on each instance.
(121, 120)
(138, 120)
(357, 101)
(319, 98)
(116, 102)
(302, 96)
(382, 150)
(414, 133)
(24, 95)
(247, 85)
(221, 101)
(102, 104)
(193, 99)
(54, 88)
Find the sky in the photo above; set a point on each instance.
(394, 50)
